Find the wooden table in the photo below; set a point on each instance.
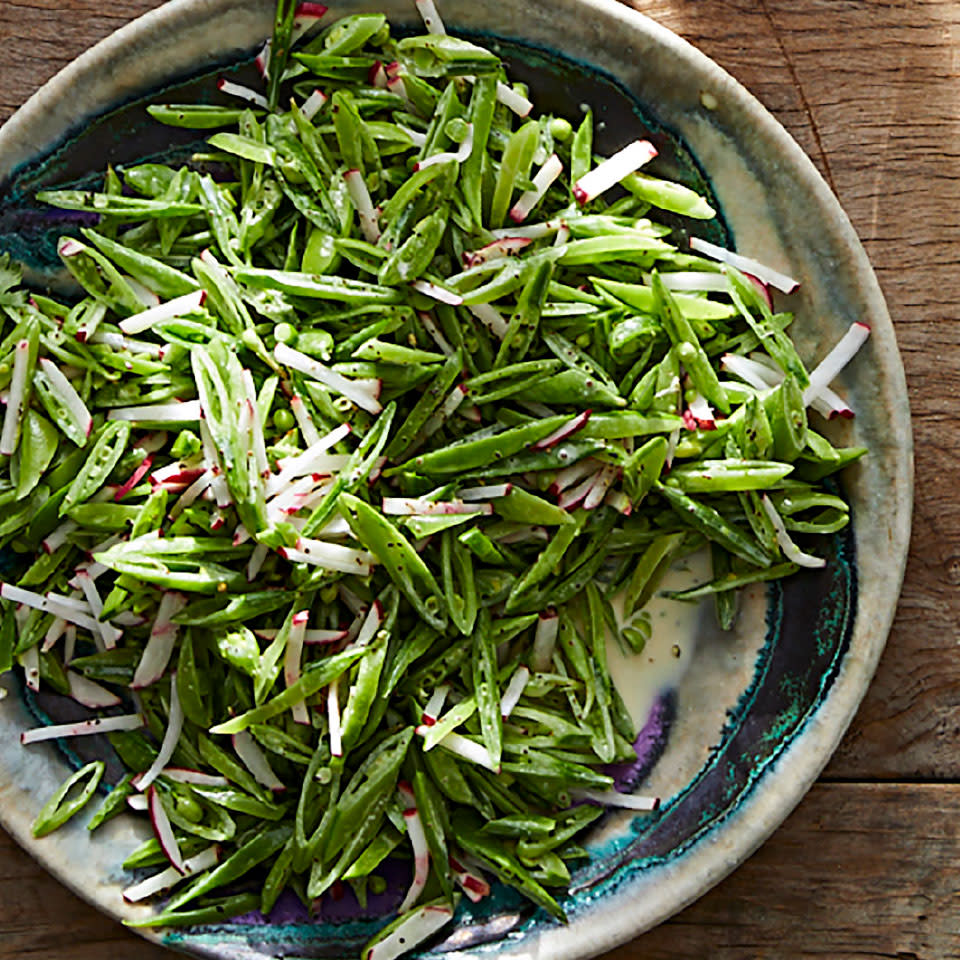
(866, 866)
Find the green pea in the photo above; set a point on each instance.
(284, 420)
(284, 333)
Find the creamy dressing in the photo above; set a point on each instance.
(668, 652)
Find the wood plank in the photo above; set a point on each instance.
(858, 872)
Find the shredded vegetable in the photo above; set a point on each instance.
(325, 482)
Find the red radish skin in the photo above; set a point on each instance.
(164, 831)
(135, 478)
(562, 432)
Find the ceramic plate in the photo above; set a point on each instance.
(736, 732)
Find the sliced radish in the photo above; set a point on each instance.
(563, 431)
(61, 606)
(69, 642)
(544, 641)
(307, 16)
(357, 391)
(534, 231)
(145, 295)
(437, 292)
(619, 501)
(461, 155)
(90, 693)
(396, 86)
(512, 100)
(256, 561)
(293, 655)
(598, 491)
(702, 412)
(430, 325)
(307, 461)
(255, 760)
(542, 182)
(568, 476)
(492, 492)
(169, 877)
(13, 415)
(435, 704)
(58, 537)
(464, 747)
(759, 376)
(416, 927)
(421, 858)
(495, 250)
(165, 311)
(57, 628)
(613, 798)
(333, 719)
(74, 406)
(775, 278)
(257, 438)
(192, 492)
(831, 365)
(30, 661)
(474, 886)
(178, 412)
(132, 721)
(360, 195)
(513, 693)
(196, 777)
(417, 138)
(699, 281)
(119, 342)
(370, 625)
(790, 550)
(163, 638)
(93, 318)
(570, 498)
(134, 478)
(164, 831)
(431, 19)
(171, 737)
(244, 93)
(413, 507)
(673, 440)
(333, 556)
(314, 103)
(611, 171)
(490, 317)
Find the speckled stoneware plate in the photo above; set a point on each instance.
(733, 742)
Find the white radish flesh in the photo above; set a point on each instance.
(775, 278)
(84, 728)
(611, 171)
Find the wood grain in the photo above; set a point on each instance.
(864, 868)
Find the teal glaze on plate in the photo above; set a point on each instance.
(765, 724)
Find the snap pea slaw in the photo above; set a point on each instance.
(539, 422)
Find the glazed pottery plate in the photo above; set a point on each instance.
(739, 726)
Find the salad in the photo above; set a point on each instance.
(369, 428)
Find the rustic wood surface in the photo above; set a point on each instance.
(866, 867)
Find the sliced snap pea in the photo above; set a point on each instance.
(65, 803)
